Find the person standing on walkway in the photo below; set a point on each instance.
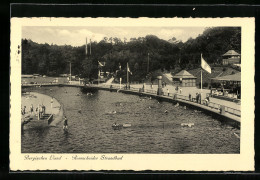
(197, 97)
(40, 111)
(43, 109)
(200, 96)
(168, 92)
(36, 111)
(207, 101)
(65, 123)
(180, 90)
(177, 89)
(51, 104)
(24, 110)
(31, 109)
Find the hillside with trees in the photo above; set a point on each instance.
(53, 60)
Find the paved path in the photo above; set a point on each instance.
(189, 90)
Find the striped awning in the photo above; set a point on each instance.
(233, 77)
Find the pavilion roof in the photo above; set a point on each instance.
(184, 74)
(231, 53)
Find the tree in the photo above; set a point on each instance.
(166, 55)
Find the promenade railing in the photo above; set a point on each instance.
(189, 99)
(176, 96)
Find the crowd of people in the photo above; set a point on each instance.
(39, 111)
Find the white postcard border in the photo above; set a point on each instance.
(187, 162)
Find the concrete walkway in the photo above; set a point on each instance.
(36, 99)
(185, 91)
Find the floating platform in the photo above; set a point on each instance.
(89, 89)
(34, 123)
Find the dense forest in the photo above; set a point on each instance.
(53, 60)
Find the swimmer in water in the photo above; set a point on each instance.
(115, 124)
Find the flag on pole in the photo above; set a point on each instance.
(128, 69)
(204, 65)
(100, 64)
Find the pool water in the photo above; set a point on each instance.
(152, 130)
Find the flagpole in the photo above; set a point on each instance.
(201, 74)
(98, 75)
(127, 76)
(86, 46)
(201, 80)
(148, 64)
(90, 47)
(70, 70)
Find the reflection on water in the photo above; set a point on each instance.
(152, 131)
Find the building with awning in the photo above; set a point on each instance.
(184, 79)
(231, 57)
(231, 82)
(230, 78)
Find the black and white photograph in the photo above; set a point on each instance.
(118, 90)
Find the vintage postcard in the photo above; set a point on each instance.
(132, 94)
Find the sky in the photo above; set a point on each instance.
(76, 36)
